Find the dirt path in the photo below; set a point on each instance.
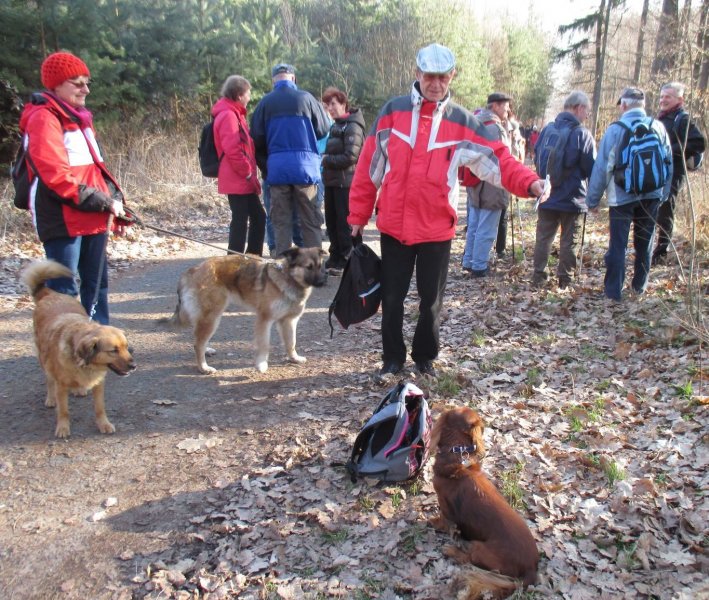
(228, 485)
(59, 540)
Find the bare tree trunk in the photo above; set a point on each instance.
(604, 12)
(667, 41)
(641, 42)
(701, 64)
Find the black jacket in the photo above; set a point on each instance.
(676, 123)
(342, 149)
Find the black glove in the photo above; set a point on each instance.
(93, 200)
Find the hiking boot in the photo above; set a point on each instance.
(425, 367)
(564, 284)
(659, 258)
(390, 368)
(478, 273)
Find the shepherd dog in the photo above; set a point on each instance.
(276, 291)
(497, 541)
(74, 352)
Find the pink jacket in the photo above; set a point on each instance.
(237, 170)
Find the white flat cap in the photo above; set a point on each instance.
(435, 59)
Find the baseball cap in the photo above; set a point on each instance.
(498, 97)
(282, 68)
(631, 93)
(435, 59)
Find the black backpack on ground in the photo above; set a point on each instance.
(359, 294)
(209, 159)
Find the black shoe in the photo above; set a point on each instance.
(659, 258)
(390, 368)
(426, 368)
(478, 273)
(501, 255)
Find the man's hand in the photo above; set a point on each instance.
(540, 189)
(116, 208)
(357, 230)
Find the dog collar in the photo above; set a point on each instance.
(465, 452)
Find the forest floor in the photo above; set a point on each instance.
(229, 485)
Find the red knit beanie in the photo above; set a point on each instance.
(59, 67)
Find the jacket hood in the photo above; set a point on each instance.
(566, 119)
(228, 105)
(46, 101)
(486, 115)
(355, 116)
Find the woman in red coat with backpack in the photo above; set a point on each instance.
(238, 176)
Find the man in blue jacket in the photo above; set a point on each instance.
(566, 202)
(285, 127)
(626, 208)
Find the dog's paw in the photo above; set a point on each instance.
(50, 402)
(209, 351)
(63, 429)
(105, 426)
(206, 369)
(262, 366)
(297, 358)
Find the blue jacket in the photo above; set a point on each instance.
(285, 127)
(602, 175)
(579, 156)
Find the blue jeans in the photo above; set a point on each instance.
(270, 234)
(82, 255)
(642, 214)
(481, 234)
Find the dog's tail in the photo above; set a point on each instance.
(178, 318)
(36, 274)
(473, 583)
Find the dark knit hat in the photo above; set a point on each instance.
(59, 67)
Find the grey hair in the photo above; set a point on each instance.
(676, 86)
(628, 103)
(576, 98)
(235, 86)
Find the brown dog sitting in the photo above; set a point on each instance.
(497, 538)
(74, 352)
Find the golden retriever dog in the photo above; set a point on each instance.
(276, 291)
(496, 537)
(74, 353)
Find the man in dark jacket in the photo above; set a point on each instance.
(285, 127)
(687, 145)
(567, 200)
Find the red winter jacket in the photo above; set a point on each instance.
(237, 169)
(409, 166)
(63, 149)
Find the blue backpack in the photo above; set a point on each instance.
(643, 163)
(549, 154)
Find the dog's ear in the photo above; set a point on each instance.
(291, 254)
(86, 350)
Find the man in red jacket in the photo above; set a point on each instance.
(409, 166)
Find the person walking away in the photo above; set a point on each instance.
(567, 201)
(285, 127)
(238, 173)
(409, 167)
(73, 193)
(627, 208)
(688, 145)
(338, 163)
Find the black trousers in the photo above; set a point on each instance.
(398, 261)
(338, 230)
(246, 213)
(666, 216)
(501, 241)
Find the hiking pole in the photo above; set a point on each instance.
(521, 237)
(579, 266)
(512, 227)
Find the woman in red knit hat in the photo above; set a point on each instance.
(73, 193)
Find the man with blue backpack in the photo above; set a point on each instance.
(634, 168)
(565, 152)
